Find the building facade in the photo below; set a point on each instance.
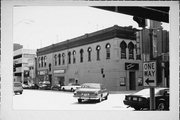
(24, 65)
(108, 56)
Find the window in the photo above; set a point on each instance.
(74, 59)
(49, 67)
(39, 62)
(45, 60)
(63, 58)
(123, 47)
(98, 52)
(42, 59)
(131, 50)
(55, 60)
(81, 55)
(69, 57)
(108, 51)
(89, 53)
(59, 59)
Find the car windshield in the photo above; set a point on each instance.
(146, 92)
(91, 85)
(17, 84)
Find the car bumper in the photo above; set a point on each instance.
(136, 104)
(87, 97)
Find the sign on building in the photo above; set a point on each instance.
(149, 74)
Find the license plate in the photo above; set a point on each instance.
(85, 94)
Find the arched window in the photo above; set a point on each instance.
(81, 55)
(108, 46)
(69, 57)
(45, 61)
(63, 58)
(131, 50)
(98, 48)
(123, 47)
(39, 62)
(42, 59)
(74, 58)
(59, 59)
(89, 53)
(55, 59)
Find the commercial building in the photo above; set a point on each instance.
(24, 65)
(110, 56)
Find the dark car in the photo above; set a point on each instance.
(56, 87)
(45, 85)
(91, 91)
(141, 99)
(33, 86)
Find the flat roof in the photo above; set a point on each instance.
(101, 35)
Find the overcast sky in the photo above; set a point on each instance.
(39, 26)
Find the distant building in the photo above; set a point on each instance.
(24, 65)
(110, 56)
(17, 46)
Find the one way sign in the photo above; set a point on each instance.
(149, 74)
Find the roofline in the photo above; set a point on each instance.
(101, 35)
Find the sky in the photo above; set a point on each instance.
(35, 27)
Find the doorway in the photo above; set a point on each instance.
(132, 81)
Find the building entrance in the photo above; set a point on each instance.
(132, 81)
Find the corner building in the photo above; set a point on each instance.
(110, 56)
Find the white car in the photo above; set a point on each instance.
(18, 88)
(70, 87)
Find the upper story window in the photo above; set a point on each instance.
(131, 50)
(108, 46)
(74, 58)
(123, 47)
(81, 55)
(42, 59)
(98, 48)
(69, 57)
(45, 61)
(89, 53)
(59, 59)
(39, 62)
(63, 58)
(55, 59)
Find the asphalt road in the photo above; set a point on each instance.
(60, 100)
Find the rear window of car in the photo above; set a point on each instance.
(96, 86)
(17, 84)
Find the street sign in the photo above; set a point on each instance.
(149, 74)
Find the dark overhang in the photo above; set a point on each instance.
(160, 13)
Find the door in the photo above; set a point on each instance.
(132, 81)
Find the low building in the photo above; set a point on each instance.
(108, 56)
(24, 65)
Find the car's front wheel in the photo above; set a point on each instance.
(161, 105)
(79, 100)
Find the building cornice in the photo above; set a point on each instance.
(98, 36)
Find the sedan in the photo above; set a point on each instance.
(70, 87)
(141, 99)
(56, 87)
(91, 91)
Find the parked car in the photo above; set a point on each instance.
(91, 91)
(141, 99)
(33, 86)
(45, 85)
(25, 86)
(70, 87)
(17, 88)
(56, 87)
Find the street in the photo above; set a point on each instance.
(61, 100)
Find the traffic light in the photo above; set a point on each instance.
(141, 21)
